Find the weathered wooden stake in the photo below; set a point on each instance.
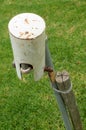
(64, 86)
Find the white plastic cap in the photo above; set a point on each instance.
(26, 26)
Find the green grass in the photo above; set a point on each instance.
(30, 105)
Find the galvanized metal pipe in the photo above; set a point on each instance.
(59, 99)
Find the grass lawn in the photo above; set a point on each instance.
(30, 105)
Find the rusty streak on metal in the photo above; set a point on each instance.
(51, 73)
(48, 69)
(26, 20)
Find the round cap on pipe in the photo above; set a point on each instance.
(26, 26)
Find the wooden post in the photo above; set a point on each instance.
(64, 86)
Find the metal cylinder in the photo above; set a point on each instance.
(27, 34)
